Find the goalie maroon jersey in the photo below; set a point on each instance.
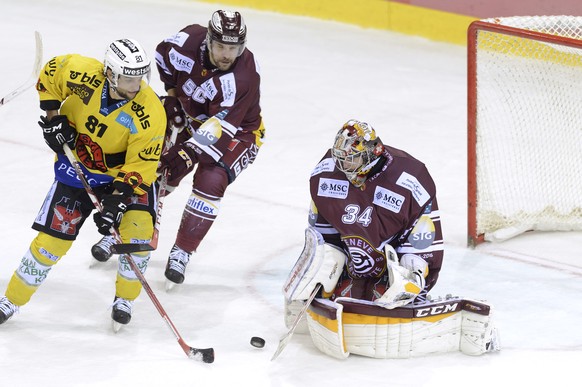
(205, 91)
(397, 205)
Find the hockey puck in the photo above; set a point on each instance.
(257, 342)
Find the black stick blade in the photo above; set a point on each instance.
(206, 355)
(128, 248)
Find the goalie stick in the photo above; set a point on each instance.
(205, 355)
(285, 339)
(33, 77)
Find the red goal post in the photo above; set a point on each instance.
(524, 126)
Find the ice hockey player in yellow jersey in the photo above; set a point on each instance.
(114, 123)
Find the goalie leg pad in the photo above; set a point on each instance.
(478, 331)
(319, 262)
(439, 326)
(324, 319)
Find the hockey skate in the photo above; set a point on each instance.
(101, 250)
(121, 312)
(176, 267)
(7, 309)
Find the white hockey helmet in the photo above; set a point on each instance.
(128, 58)
(356, 149)
(227, 27)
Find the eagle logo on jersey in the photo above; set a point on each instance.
(65, 218)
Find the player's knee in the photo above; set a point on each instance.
(47, 249)
(136, 227)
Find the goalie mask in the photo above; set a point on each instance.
(356, 150)
(228, 28)
(128, 62)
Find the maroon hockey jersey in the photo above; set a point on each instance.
(397, 205)
(205, 91)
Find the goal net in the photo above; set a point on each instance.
(524, 126)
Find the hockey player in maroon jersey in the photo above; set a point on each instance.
(377, 205)
(373, 250)
(212, 81)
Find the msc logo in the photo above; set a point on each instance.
(388, 199)
(333, 188)
(181, 62)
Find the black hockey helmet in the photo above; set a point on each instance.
(227, 27)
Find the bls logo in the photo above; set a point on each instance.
(141, 114)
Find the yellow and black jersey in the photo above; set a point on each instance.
(117, 139)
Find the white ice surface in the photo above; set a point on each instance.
(315, 76)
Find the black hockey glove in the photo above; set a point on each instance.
(174, 113)
(113, 208)
(57, 132)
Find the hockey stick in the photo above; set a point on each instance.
(206, 355)
(285, 339)
(33, 77)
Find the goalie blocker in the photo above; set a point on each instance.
(363, 328)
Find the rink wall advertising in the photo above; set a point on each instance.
(440, 20)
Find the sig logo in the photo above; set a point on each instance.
(423, 233)
(209, 132)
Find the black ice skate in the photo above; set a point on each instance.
(7, 309)
(176, 266)
(121, 312)
(101, 250)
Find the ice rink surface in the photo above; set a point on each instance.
(315, 76)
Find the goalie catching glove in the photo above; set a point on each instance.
(57, 132)
(406, 279)
(113, 206)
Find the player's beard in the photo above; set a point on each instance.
(223, 64)
(124, 94)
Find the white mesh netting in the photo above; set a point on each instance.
(529, 129)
